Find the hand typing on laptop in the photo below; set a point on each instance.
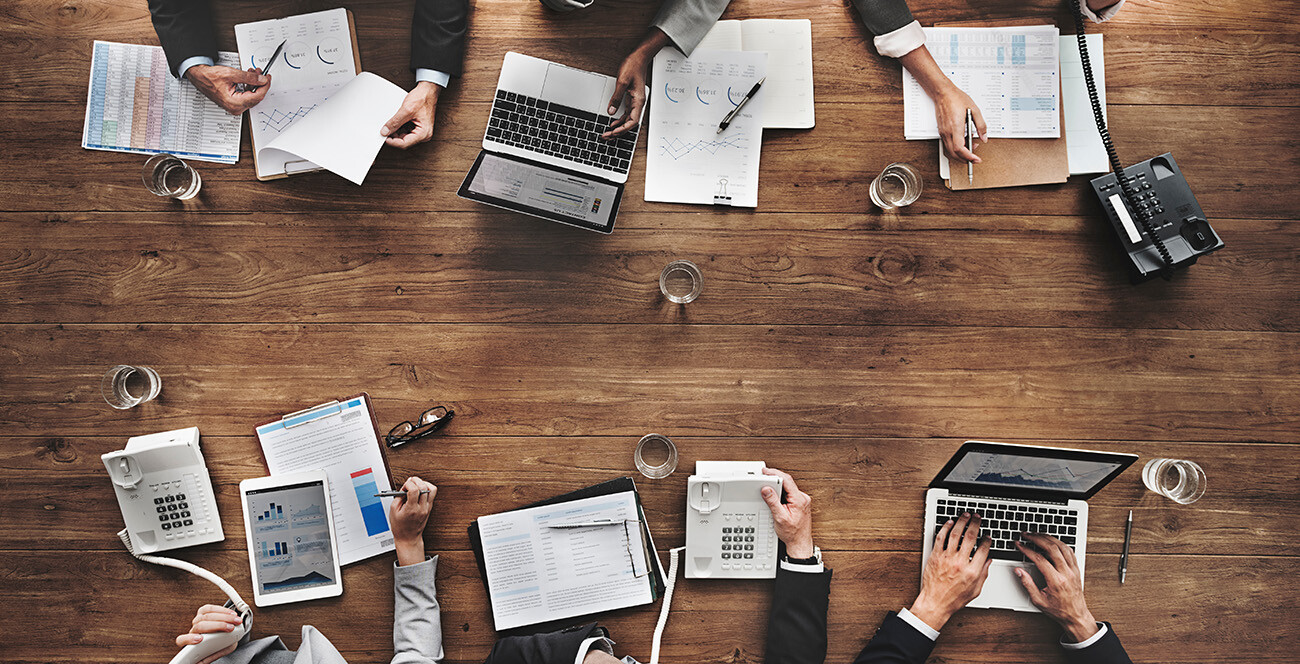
(955, 572)
(1062, 598)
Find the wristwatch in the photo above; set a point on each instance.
(816, 558)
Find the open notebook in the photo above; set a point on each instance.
(788, 100)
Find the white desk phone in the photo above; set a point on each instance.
(167, 502)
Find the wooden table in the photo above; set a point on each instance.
(852, 348)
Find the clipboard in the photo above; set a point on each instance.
(617, 485)
(1013, 162)
(361, 519)
(300, 166)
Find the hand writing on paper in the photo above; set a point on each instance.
(224, 85)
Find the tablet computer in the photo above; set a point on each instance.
(289, 524)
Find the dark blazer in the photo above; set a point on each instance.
(796, 630)
(897, 642)
(184, 29)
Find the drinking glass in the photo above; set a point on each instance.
(655, 456)
(896, 186)
(125, 386)
(681, 282)
(1180, 481)
(166, 175)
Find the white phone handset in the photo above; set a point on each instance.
(729, 529)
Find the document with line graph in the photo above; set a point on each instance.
(688, 161)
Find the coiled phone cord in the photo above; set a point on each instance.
(1143, 215)
(240, 605)
(673, 555)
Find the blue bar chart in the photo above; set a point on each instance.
(372, 510)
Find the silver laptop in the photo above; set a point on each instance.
(542, 152)
(1018, 488)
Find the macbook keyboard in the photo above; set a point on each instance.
(559, 131)
(1003, 522)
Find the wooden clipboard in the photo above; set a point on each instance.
(1014, 162)
(252, 140)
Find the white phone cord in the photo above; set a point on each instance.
(238, 601)
(668, 600)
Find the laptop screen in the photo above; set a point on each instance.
(545, 191)
(1019, 470)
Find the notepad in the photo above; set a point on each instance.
(788, 102)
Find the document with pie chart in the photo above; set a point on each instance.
(319, 60)
(688, 160)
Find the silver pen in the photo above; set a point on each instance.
(722, 126)
(1123, 558)
(585, 524)
(970, 145)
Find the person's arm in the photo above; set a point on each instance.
(1085, 641)
(417, 618)
(796, 626)
(184, 29)
(953, 576)
(686, 22)
(212, 619)
(632, 75)
(437, 53)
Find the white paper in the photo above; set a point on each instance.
(316, 61)
(344, 444)
(538, 574)
(134, 104)
(688, 160)
(788, 44)
(1082, 141)
(342, 134)
(1012, 74)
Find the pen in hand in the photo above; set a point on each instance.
(266, 71)
(397, 494)
(970, 145)
(722, 126)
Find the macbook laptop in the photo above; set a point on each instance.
(542, 152)
(1018, 488)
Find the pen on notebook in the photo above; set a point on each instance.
(585, 524)
(1123, 558)
(970, 145)
(267, 69)
(397, 494)
(722, 126)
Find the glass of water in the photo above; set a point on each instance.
(681, 282)
(166, 175)
(655, 456)
(896, 186)
(1180, 481)
(126, 386)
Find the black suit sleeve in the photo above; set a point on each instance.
(1107, 650)
(438, 35)
(896, 642)
(796, 627)
(551, 648)
(184, 29)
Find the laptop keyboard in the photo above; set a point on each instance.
(1003, 522)
(559, 131)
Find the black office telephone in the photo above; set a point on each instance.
(1171, 230)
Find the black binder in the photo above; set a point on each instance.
(617, 485)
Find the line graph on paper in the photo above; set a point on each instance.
(678, 149)
(278, 120)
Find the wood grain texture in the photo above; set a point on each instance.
(853, 348)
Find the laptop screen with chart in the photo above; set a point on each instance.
(290, 537)
(1017, 470)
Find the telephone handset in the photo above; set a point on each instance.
(164, 491)
(729, 530)
(1171, 230)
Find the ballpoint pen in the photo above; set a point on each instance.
(970, 145)
(722, 126)
(585, 524)
(397, 494)
(1123, 558)
(267, 69)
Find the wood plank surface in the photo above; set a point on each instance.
(854, 348)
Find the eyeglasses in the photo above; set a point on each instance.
(430, 422)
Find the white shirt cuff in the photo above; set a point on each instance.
(1104, 15)
(190, 62)
(433, 76)
(805, 568)
(1084, 644)
(919, 625)
(594, 642)
(902, 41)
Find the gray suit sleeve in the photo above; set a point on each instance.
(417, 619)
(687, 21)
(883, 16)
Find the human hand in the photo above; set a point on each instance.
(408, 516)
(793, 518)
(224, 85)
(211, 619)
(632, 75)
(955, 572)
(413, 122)
(950, 105)
(1062, 599)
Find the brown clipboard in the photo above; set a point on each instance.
(324, 410)
(252, 140)
(1014, 162)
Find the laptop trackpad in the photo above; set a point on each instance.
(1002, 590)
(573, 87)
